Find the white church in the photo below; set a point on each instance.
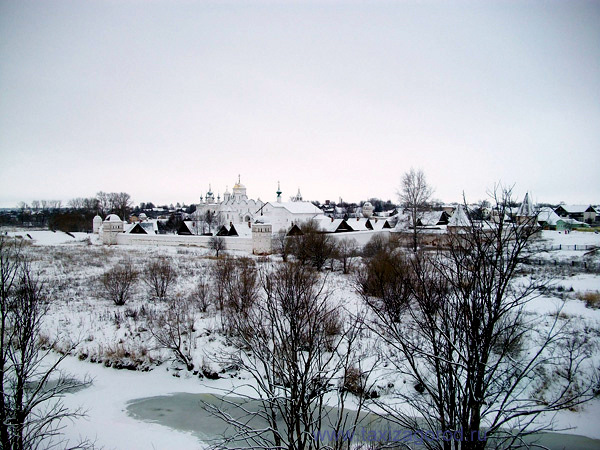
(237, 208)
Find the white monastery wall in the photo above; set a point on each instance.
(231, 242)
(361, 237)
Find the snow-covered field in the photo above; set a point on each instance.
(117, 336)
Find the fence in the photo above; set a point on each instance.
(585, 266)
(567, 247)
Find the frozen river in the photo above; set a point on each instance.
(187, 412)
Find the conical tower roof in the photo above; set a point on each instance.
(526, 208)
(459, 218)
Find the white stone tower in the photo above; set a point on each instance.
(96, 224)
(262, 238)
(367, 209)
(111, 228)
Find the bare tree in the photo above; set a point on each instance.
(313, 247)
(347, 250)
(174, 330)
(222, 272)
(159, 276)
(31, 411)
(385, 278)
(298, 350)
(201, 295)
(212, 219)
(119, 282)
(121, 204)
(459, 337)
(217, 243)
(282, 244)
(76, 203)
(241, 291)
(104, 205)
(414, 195)
(90, 204)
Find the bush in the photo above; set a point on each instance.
(378, 244)
(313, 247)
(591, 299)
(240, 293)
(221, 274)
(353, 381)
(201, 295)
(174, 330)
(387, 277)
(119, 282)
(159, 276)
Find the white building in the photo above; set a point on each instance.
(237, 208)
(282, 215)
(111, 228)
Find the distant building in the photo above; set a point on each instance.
(526, 213)
(581, 213)
(236, 208)
(282, 215)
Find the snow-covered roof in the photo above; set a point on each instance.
(189, 226)
(151, 227)
(459, 218)
(379, 224)
(242, 229)
(431, 218)
(147, 227)
(575, 208)
(548, 216)
(327, 223)
(359, 224)
(297, 207)
(574, 222)
(113, 218)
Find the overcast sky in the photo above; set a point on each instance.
(337, 98)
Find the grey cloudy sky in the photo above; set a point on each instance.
(161, 98)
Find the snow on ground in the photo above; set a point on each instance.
(575, 245)
(571, 238)
(47, 237)
(80, 312)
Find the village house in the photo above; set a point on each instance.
(581, 213)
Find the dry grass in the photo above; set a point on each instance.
(591, 299)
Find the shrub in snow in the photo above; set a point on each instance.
(119, 282)
(159, 275)
(174, 330)
(201, 296)
(591, 299)
(354, 381)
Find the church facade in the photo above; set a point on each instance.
(237, 208)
